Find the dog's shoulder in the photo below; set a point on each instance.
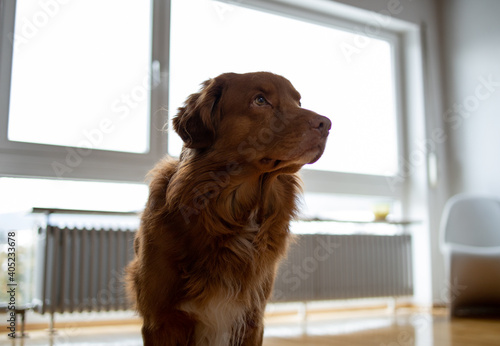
(159, 178)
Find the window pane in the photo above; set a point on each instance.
(80, 74)
(355, 91)
(19, 194)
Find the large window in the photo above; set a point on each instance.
(88, 86)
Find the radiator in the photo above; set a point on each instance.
(82, 269)
(329, 267)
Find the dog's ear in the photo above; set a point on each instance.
(196, 122)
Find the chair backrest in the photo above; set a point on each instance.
(472, 221)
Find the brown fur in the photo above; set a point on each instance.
(217, 220)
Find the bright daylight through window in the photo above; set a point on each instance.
(80, 76)
(356, 91)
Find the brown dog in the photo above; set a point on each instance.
(217, 220)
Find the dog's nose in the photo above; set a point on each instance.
(321, 123)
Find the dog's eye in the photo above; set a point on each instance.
(261, 101)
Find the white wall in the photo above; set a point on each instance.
(471, 38)
(425, 13)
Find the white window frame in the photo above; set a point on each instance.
(39, 160)
(28, 159)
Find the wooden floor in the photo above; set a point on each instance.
(406, 327)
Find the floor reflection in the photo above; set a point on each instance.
(379, 327)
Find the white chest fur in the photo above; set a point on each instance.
(221, 319)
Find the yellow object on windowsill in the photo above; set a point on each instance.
(380, 211)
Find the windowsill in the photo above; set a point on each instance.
(400, 222)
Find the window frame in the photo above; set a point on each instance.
(53, 161)
(28, 159)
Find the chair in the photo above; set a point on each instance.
(470, 241)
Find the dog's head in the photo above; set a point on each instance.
(253, 118)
